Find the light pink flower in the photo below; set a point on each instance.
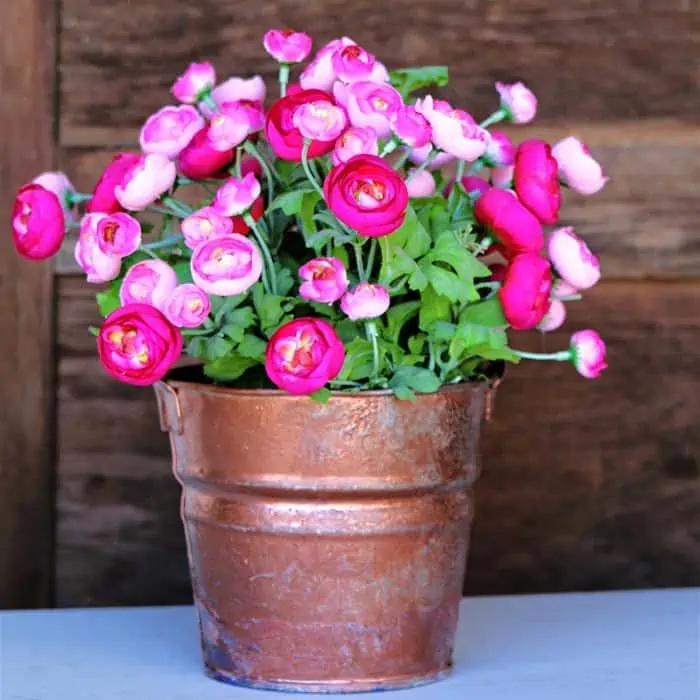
(61, 186)
(454, 131)
(501, 151)
(226, 266)
(352, 63)
(170, 130)
(355, 141)
(518, 101)
(577, 167)
(320, 120)
(573, 259)
(420, 155)
(237, 195)
(233, 123)
(203, 224)
(502, 178)
(421, 184)
(588, 353)
(320, 74)
(287, 46)
(195, 82)
(562, 289)
(237, 90)
(146, 181)
(118, 234)
(325, 280)
(411, 127)
(553, 318)
(98, 266)
(148, 282)
(188, 306)
(369, 104)
(365, 301)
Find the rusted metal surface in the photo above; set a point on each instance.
(327, 543)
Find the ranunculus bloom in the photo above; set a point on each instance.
(232, 124)
(572, 259)
(284, 138)
(103, 197)
(369, 104)
(170, 129)
(287, 46)
(61, 186)
(420, 184)
(453, 130)
(236, 90)
(138, 345)
(325, 280)
(500, 152)
(304, 355)
(257, 211)
(38, 226)
(187, 307)
(588, 353)
(514, 225)
(194, 83)
(203, 224)
(148, 282)
(368, 195)
(352, 63)
(236, 195)
(201, 160)
(98, 266)
(525, 292)
(420, 155)
(118, 234)
(354, 142)
(518, 101)
(502, 177)
(146, 181)
(411, 127)
(365, 301)
(577, 167)
(320, 73)
(536, 180)
(554, 318)
(320, 120)
(226, 266)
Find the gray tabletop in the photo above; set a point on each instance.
(622, 646)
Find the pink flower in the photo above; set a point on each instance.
(325, 280)
(237, 195)
(194, 83)
(170, 129)
(188, 306)
(500, 152)
(525, 292)
(420, 155)
(502, 177)
(287, 46)
(572, 259)
(118, 234)
(369, 104)
(103, 197)
(138, 345)
(201, 160)
(554, 318)
(146, 182)
(588, 353)
(226, 266)
(38, 226)
(98, 266)
(320, 120)
(519, 103)
(411, 127)
(536, 180)
(233, 123)
(148, 282)
(454, 131)
(577, 167)
(352, 63)
(420, 184)
(320, 73)
(203, 224)
(237, 90)
(355, 141)
(303, 355)
(365, 301)
(562, 289)
(60, 185)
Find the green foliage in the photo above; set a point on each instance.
(408, 80)
(108, 300)
(229, 367)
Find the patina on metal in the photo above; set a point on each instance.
(327, 543)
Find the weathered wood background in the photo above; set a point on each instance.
(587, 485)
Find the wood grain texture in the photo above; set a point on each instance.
(587, 485)
(643, 224)
(27, 42)
(586, 59)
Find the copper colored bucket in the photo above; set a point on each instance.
(327, 543)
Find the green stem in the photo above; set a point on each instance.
(253, 151)
(460, 171)
(401, 160)
(182, 180)
(283, 78)
(150, 254)
(370, 258)
(562, 356)
(498, 116)
(210, 102)
(163, 210)
(239, 163)
(192, 332)
(73, 198)
(571, 297)
(177, 207)
(390, 146)
(341, 383)
(307, 169)
(371, 328)
(431, 157)
(360, 267)
(269, 277)
(431, 361)
(167, 242)
(478, 165)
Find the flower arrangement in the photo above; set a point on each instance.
(317, 244)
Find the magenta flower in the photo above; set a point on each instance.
(194, 83)
(287, 46)
(411, 127)
(170, 130)
(233, 123)
(554, 317)
(237, 195)
(519, 103)
(502, 178)
(588, 353)
(352, 63)
(148, 282)
(365, 301)
(535, 180)
(369, 104)
(573, 259)
(200, 160)
(188, 306)
(420, 155)
(38, 227)
(226, 266)
(320, 120)
(500, 152)
(203, 224)
(118, 234)
(577, 167)
(325, 280)
(61, 186)
(355, 141)
(98, 266)
(420, 184)
(146, 181)
(320, 73)
(236, 89)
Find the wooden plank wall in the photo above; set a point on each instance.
(587, 485)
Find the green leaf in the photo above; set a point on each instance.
(402, 392)
(237, 322)
(398, 264)
(416, 343)
(433, 307)
(228, 368)
(485, 313)
(268, 307)
(197, 347)
(419, 379)
(183, 272)
(289, 171)
(217, 347)
(92, 330)
(396, 318)
(441, 331)
(358, 360)
(408, 80)
(471, 339)
(291, 203)
(306, 213)
(108, 300)
(411, 236)
(348, 330)
(252, 347)
(285, 281)
(222, 306)
(322, 395)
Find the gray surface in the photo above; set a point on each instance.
(622, 646)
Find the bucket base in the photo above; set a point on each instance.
(331, 687)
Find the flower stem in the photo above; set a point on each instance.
(283, 78)
(76, 198)
(167, 242)
(371, 329)
(571, 297)
(210, 102)
(562, 356)
(460, 171)
(370, 258)
(177, 207)
(168, 212)
(253, 151)
(478, 165)
(360, 266)
(431, 157)
(238, 166)
(269, 277)
(307, 169)
(401, 160)
(498, 116)
(390, 146)
(431, 361)
(150, 254)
